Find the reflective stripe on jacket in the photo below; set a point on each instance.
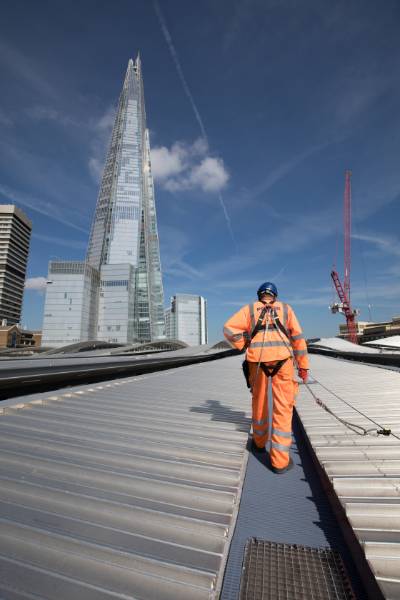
(270, 343)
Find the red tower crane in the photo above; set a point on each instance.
(343, 292)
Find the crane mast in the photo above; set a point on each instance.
(347, 233)
(343, 292)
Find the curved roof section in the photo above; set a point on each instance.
(220, 345)
(392, 342)
(340, 345)
(156, 346)
(83, 347)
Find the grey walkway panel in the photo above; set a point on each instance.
(364, 469)
(127, 489)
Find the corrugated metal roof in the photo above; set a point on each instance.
(335, 343)
(364, 469)
(122, 490)
(392, 341)
(97, 356)
(18, 376)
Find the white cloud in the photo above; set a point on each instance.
(199, 147)
(36, 283)
(106, 121)
(165, 163)
(188, 166)
(210, 175)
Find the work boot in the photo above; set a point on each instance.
(284, 469)
(255, 448)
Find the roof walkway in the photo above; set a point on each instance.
(131, 489)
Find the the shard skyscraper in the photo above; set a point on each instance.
(122, 271)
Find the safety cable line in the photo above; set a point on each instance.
(352, 426)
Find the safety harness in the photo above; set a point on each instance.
(278, 324)
(272, 370)
(259, 326)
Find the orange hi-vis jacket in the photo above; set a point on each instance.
(270, 343)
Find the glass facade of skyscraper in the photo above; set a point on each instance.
(123, 244)
(115, 231)
(116, 303)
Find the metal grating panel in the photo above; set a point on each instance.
(274, 571)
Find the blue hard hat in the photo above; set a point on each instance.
(267, 288)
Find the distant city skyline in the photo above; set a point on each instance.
(256, 110)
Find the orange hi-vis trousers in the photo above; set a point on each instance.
(284, 390)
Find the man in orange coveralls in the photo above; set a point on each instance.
(274, 340)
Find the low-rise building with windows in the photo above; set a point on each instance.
(70, 312)
(186, 319)
(13, 336)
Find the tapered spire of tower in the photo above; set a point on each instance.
(115, 189)
(124, 229)
(117, 293)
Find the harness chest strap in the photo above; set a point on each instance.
(258, 325)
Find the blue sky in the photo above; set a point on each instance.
(255, 108)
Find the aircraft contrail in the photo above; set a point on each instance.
(188, 93)
(177, 63)
(227, 217)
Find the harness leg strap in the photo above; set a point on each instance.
(273, 370)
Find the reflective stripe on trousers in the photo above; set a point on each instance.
(283, 388)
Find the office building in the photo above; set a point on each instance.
(186, 319)
(70, 314)
(368, 331)
(15, 234)
(123, 247)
